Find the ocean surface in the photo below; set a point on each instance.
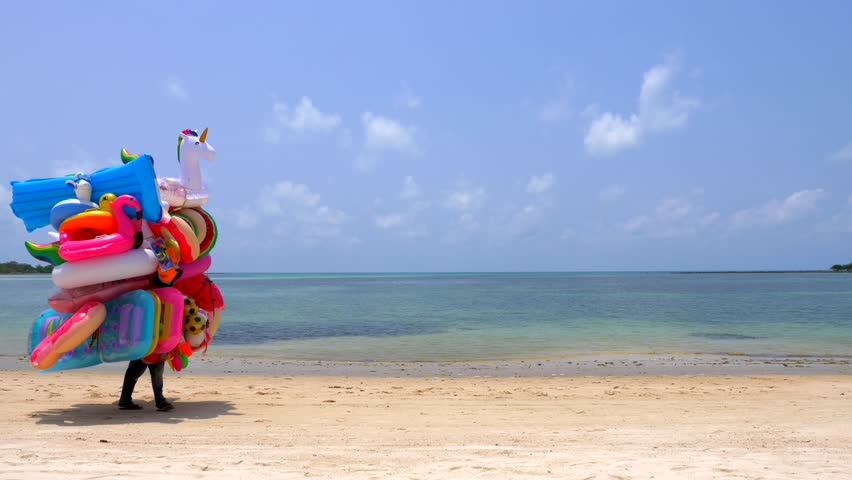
(468, 316)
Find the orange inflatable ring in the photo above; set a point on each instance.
(88, 225)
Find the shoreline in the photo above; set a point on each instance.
(574, 366)
(520, 272)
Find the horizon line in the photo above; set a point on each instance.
(391, 272)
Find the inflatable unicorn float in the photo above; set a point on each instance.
(130, 258)
(188, 190)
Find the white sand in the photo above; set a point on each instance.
(266, 426)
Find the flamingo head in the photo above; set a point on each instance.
(129, 205)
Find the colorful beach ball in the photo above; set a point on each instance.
(194, 318)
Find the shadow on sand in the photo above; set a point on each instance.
(109, 414)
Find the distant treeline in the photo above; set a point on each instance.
(842, 268)
(15, 267)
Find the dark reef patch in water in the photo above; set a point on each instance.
(242, 333)
(723, 336)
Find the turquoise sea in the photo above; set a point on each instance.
(478, 316)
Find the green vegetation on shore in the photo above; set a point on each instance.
(737, 272)
(842, 268)
(15, 267)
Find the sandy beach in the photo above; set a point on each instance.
(249, 425)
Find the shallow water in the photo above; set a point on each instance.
(439, 317)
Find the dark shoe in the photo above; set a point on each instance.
(165, 407)
(129, 406)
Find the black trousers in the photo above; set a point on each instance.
(135, 370)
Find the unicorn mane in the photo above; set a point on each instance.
(188, 131)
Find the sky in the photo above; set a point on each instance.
(456, 136)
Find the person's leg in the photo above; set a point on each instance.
(157, 385)
(134, 370)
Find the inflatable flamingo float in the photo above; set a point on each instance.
(98, 232)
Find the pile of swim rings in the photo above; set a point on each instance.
(130, 257)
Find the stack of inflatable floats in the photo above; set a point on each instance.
(129, 267)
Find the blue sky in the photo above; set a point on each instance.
(457, 136)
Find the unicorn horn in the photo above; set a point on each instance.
(203, 137)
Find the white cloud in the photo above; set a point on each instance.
(330, 216)
(390, 221)
(78, 161)
(611, 193)
(673, 217)
(5, 200)
(466, 198)
(673, 209)
(660, 108)
(404, 223)
(291, 210)
(408, 98)
(304, 117)
(174, 88)
(465, 201)
(285, 193)
(611, 133)
(842, 155)
(775, 212)
(382, 133)
(410, 189)
(524, 222)
(541, 184)
(14, 232)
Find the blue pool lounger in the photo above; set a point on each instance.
(33, 199)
